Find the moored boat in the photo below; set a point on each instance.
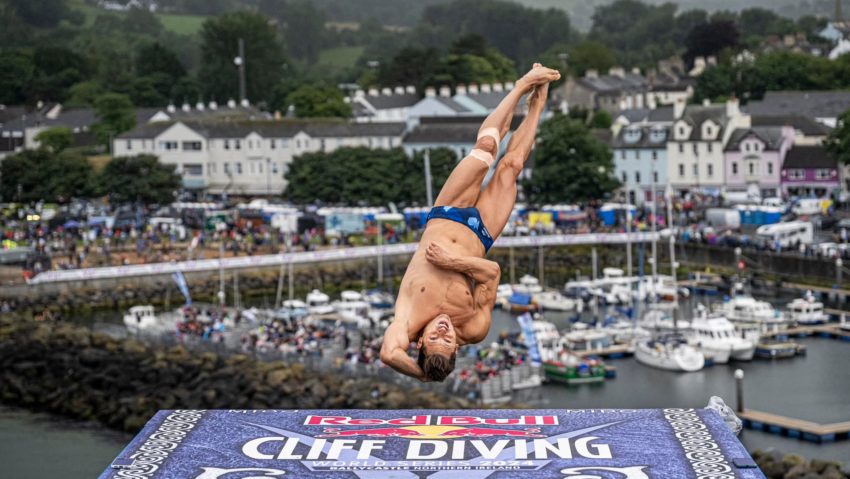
(671, 353)
(806, 311)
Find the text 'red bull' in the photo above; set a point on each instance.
(426, 420)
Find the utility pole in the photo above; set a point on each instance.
(429, 194)
(240, 63)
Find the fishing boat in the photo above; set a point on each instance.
(717, 338)
(572, 369)
(774, 349)
(751, 316)
(671, 353)
(806, 311)
(318, 303)
(553, 301)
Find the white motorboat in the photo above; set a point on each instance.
(844, 325)
(379, 299)
(663, 287)
(319, 303)
(750, 315)
(353, 308)
(583, 338)
(670, 353)
(548, 339)
(553, 301)
(626, 332)
(141, 317)
(806, 311)
(718, 339)
(528, 285)
(662, 321)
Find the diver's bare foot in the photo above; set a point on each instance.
(538, 75)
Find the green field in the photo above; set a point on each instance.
(181, 24)
(340, 57)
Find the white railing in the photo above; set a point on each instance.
(362, 252)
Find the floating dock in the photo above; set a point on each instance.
(612, 352)
(796, 428)
(824, 331)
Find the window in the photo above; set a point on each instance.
(797, 174)
(637, 177)
(238, 167)
(823, 173)
(710, 147)
(129, 144)
(681, 170)
(622, 154)
(681, 147)
(746, 147)
(237, 144)
(696, 169)
(681, 131)
(655, 177)
(696, 150)
(625, 178)
(708, 131)
(193, 169)
(752, 168)
(168, 145)
(654, 155)
(322, 144)
(272, 144)
(227, 168)
(192, 146)
(274, 168)
(770, 168)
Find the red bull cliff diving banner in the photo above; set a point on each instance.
(453, 444)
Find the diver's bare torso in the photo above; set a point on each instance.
(427, 291)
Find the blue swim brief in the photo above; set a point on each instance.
(465, 216)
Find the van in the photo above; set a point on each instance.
(785, 235)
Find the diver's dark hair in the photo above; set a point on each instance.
(436, 366)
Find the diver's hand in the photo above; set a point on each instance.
(439, 257)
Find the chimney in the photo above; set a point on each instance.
(374, 92)
(733, 107)
(186, 107)
(430, 92)
(706, 102)
(445, 91)
(473, 88)
(399, 90)
(636, 71)
(712, 60)
(592, 73)
(359, 93)
(213, 105)
(509, 85)
(386, 91)
(498, 88)
(486, 88)
(678, 108)
(617, 72)
(245, 103)
(460, 89)
(410, 89)
(171, 108)
(231, 103)
(199, 106)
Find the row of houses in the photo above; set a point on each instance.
(773, 147)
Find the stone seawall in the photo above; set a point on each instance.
(69, 370)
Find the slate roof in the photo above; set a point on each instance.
(619, 142)
(451, 103)
(770, 135)
(614, 84)
(813, 104)
(808, 126)
(444, 133)
(272, 129)
(635, 115)
(804, 156)
(696, 115)
(661, 114)
(387, 102)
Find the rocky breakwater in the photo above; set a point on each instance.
(775, 465)
(72, 371)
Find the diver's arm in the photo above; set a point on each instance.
(394, 351)
(479, 269)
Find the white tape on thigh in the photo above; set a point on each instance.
(482, 155)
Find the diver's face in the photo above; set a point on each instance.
(439, 336)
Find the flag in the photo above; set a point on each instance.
(181, 284)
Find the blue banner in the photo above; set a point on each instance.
(526, 324)
(184, 288)
(435, 444)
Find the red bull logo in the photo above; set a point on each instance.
(427, 420)
(432, 432)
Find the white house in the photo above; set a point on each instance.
(247, 158)
(386, 105)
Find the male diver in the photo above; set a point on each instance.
(447, 294)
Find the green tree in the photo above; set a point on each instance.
(600, 119)
(711, 38)
(42, 175)
(115, 114)
(411, 66)
(590, 56)
(569, 164)
(838, 141)
(318, 102)
(55, 139)
(84, 94)
(264, 58)
(139, 178)
(156, 58)
(303, 28)
(41, 13)
(16, 74)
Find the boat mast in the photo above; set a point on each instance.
(654, 226)
(672, 255)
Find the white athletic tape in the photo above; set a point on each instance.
(482, 155)
(493, 133)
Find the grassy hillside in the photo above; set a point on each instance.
(341, 57)
(181, 24)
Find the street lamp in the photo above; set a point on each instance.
(239, 61)
(737, 265)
